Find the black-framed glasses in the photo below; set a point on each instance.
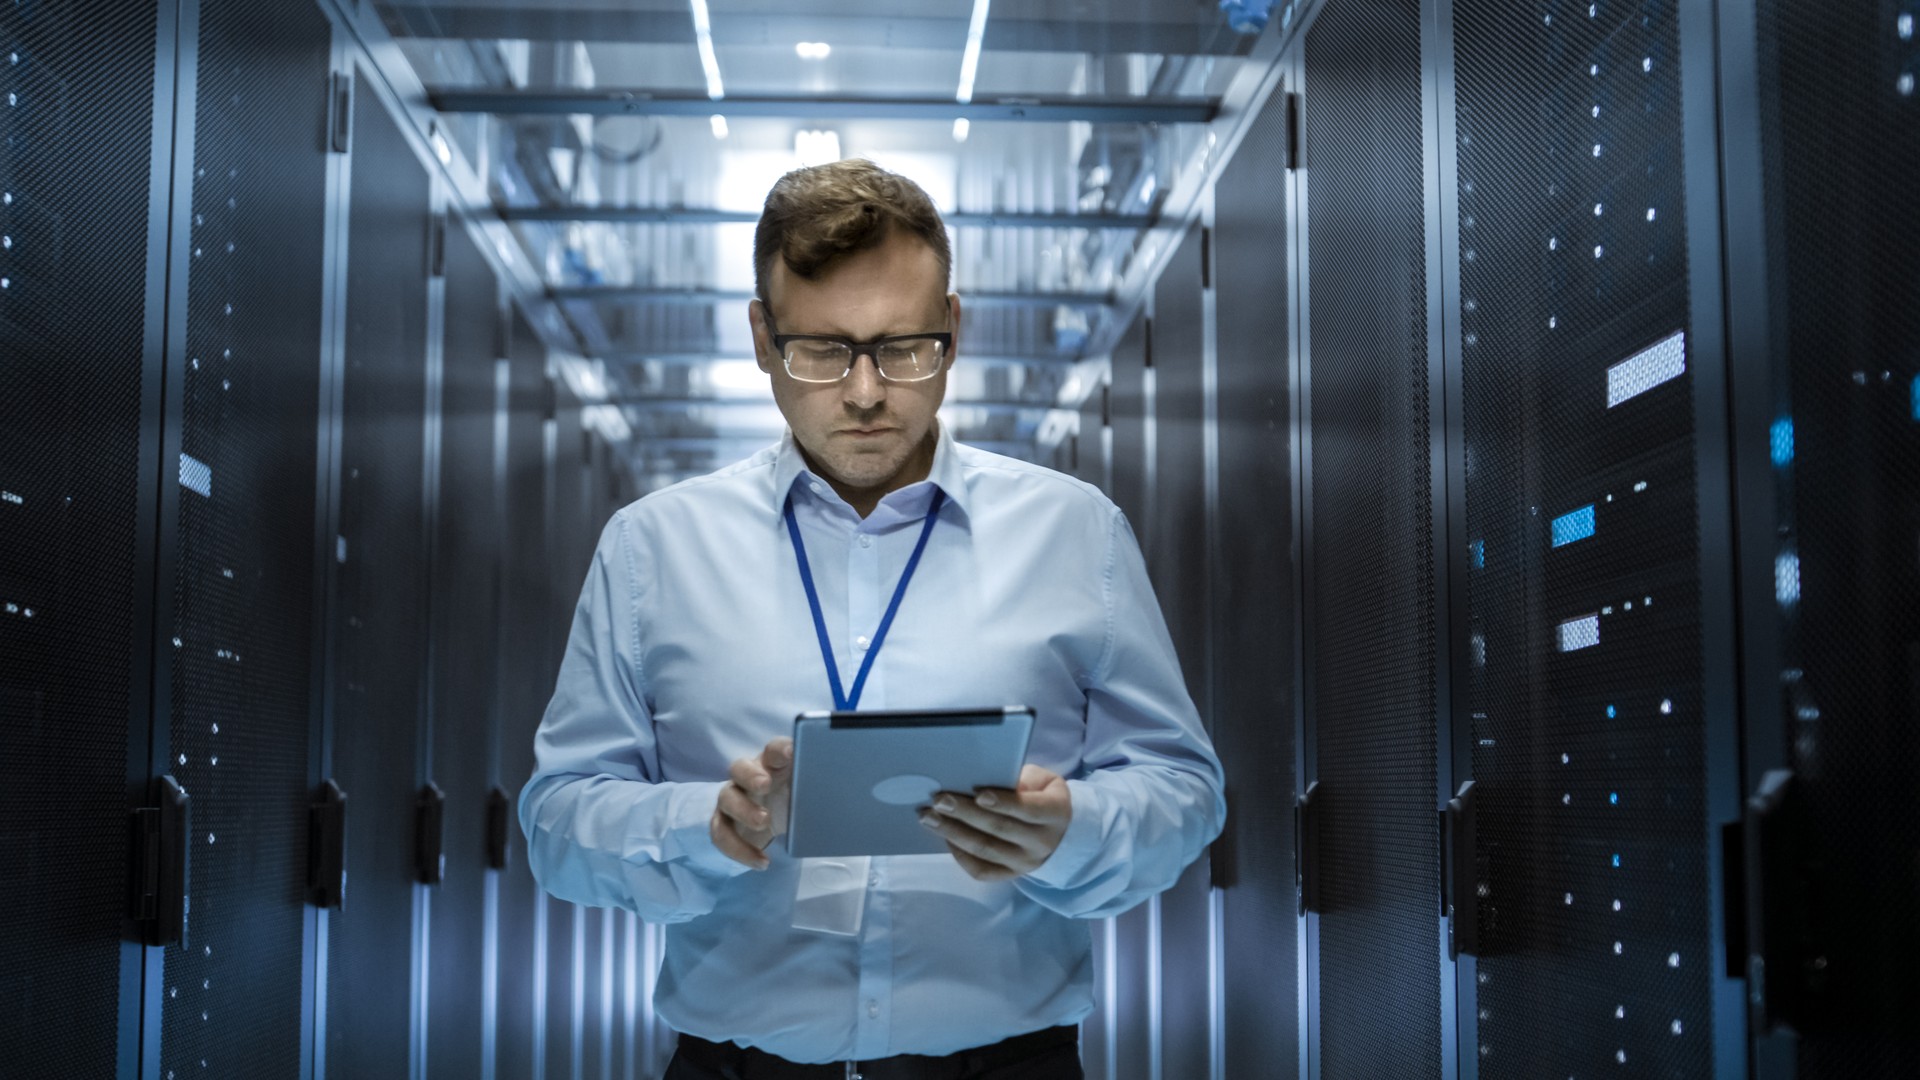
(826, 358)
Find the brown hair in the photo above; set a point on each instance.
(815, 215)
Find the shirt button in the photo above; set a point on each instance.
(873, 1010)
(865, 540)
(861, 642)
(815, 487)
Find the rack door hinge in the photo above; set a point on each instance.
(1306, 847)
(340, 112)
(1460, 882)
(327, 848)
(1789, 974)
(429, 835)
(1293, 131)
(499, 824)
(1220, 857)
(157, 885)
(1206, 257)
(437, 245)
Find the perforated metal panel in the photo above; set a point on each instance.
(465, 607)
(525, 683)
(75, 154)
(243, 682)
(1842, 143)
(380, 623)
(1371, 645)
(1583, 591)
(1253, 726)
(1177, 562)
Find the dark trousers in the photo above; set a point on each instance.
(1053, 1054)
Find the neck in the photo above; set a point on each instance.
(918, 467)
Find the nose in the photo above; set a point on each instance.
(863, 388)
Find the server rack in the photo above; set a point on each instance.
(83, 170)
(1371, 609)
(380, 622)
(465, 605)
(1255, 713)
(1821, 149)
(245, 601)
(1176, 537)
(1133, 955)
(526, 669)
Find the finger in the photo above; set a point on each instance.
(979, 869)
(735, 804)
(960, 808)
(1047, 807)
(778, 755)
(751, 778)
(732, 845)
(974, 842)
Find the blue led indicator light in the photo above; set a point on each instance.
(1613, 797)
(1577, 525)
(1478, 555)
(1780, 440)
(1616, 859)
(1916, 397)
(1612, 712)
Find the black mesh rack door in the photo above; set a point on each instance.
(465, 607)
(78, 388)
(1583, 584)
(1838, 861)
(247, 554)
(525, 681)
(380, 607)
(1178, 563)
(1372, 649)
(1253, 724)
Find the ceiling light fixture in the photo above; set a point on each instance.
(719, 126)
(813, 50)
(709, 63)
(970, 60)
(814, 146)
(970, 65)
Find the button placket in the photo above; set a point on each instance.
(865, 602)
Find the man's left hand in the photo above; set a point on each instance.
(997, 835)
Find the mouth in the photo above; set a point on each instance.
(866, 433)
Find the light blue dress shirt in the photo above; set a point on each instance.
(693, 645)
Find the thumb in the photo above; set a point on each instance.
(1035, 778)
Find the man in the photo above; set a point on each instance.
(663, 762)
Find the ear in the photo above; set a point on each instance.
(763, 352)
(953, 320)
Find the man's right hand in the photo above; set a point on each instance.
(753, 804)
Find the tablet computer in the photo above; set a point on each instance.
(860, 779)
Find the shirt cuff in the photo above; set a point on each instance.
(689, 830)
(1080, 847)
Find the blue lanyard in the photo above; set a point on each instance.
(841, 699)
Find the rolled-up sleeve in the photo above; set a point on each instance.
(1150, 794)
(602, 828)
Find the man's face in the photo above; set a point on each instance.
(863, 433)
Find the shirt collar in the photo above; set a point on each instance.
(789, 467)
